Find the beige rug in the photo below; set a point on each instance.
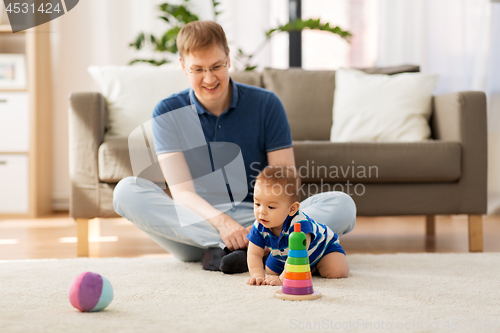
(394, 293)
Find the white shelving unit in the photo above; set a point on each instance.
(25, 128)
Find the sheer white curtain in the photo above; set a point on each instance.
(494, 112)
(323, 50)
(458, 40)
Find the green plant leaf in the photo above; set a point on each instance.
(270, 32)
(139, 41)
(314, 24)
(176, 16)
(214, 7)
(164, 18)
(178, 12)
(149, 61)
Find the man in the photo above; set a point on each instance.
(253, 119)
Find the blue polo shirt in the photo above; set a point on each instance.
(255, 121)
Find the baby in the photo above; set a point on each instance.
(277, 209)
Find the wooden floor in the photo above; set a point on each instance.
(54, 237)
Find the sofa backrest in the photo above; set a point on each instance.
(307, 95)
(308, 100)
(252, 78)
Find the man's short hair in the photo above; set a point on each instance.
(199, 36)
(285, 176)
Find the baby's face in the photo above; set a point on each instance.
(271, 205)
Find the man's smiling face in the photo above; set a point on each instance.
(210, 87)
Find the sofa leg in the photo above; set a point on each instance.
(430, 225)
(95, 234)
(475, 233)
(82, 234)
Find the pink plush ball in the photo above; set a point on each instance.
(90, 292)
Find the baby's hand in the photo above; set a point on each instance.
(258, 281)
(273, 280)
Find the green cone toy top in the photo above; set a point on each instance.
(297, 240)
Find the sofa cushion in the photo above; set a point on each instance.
(393, 108)
(371, 162)
(308, 97)
(430, 161)
(114, 164)
(114, 160)
(132, 93)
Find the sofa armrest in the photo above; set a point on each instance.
(86, 133)
(461, 117)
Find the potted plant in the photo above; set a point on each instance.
(176, 16)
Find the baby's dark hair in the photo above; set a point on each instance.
(285, 176)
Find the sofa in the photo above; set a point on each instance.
(443, 175)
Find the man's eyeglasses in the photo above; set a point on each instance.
(201, 71)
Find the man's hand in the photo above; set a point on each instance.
(256, 281)
(233, 234)
(272, 280)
